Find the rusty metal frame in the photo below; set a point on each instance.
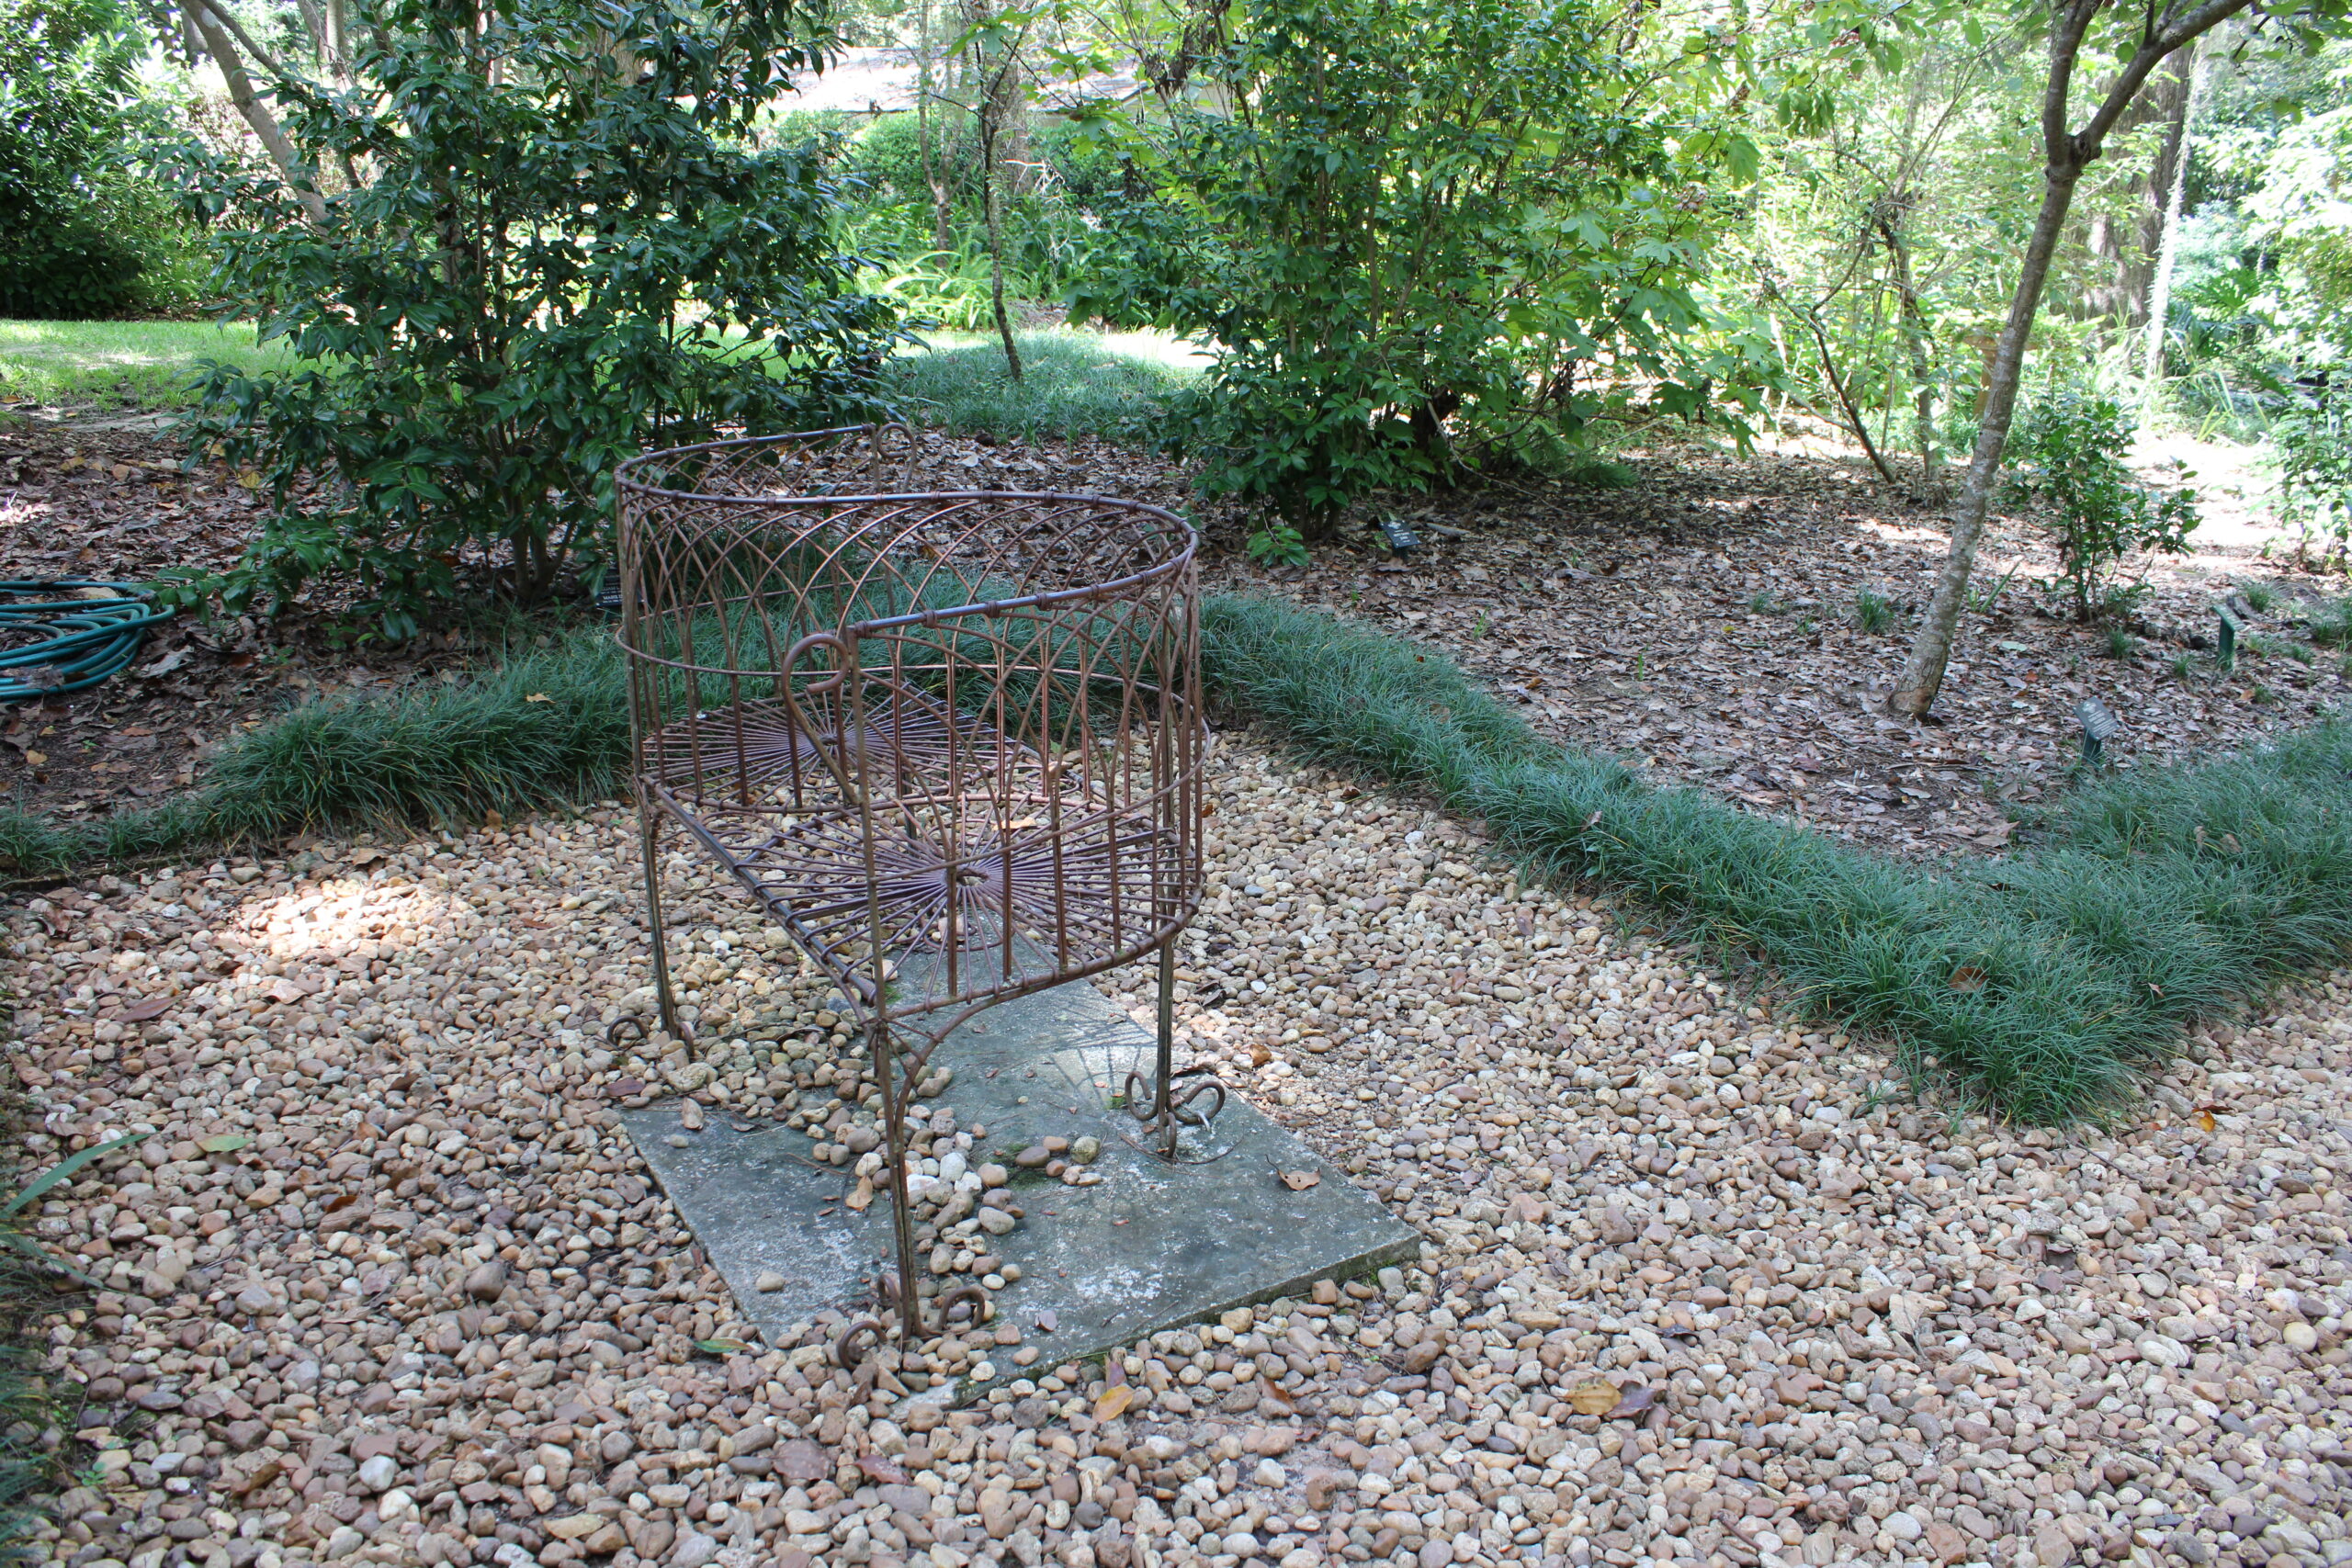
(951, 740)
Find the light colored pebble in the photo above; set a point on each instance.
(1844, 1322)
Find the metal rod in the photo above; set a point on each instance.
(649, 840)
(884, 1056)
(1166, 1068)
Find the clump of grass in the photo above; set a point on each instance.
(2122, 644)
(2260, 597)
(2051, 984)
(1873, 612)
(1762, 602)
(1601, 473)
(547, 728)
(2183, 667)
(2330, 624)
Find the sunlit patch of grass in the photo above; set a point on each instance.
(138, 363)
(1073, 383)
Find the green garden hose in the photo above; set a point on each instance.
(88, 630)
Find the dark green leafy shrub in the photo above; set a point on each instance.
(2312, 442)
(76, 223)
(1433, 219)
(2067, 458)
(567, 251)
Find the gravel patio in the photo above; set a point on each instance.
(387, 1285)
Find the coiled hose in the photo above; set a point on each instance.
(87, 631)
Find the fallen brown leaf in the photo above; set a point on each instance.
(1594, 1397)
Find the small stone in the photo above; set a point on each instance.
(378, 1472)
(487, 1281)
(1943, 1542)
(995, 1222)
(2300, 1336)
(1436, 1552)
(1268, 1474)
(994, 1175)
(693, 1550)
(2160, 1351)
(1086, 1150)
(769, 1282)
(1903, 1527)
(1034, 1155)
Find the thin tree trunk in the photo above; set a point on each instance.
(2152, 372)
(1854, 419)
(1923, 672)
(990, 185)
(1918, 340)
(2066, 153)
(220, 44)
(941, 238)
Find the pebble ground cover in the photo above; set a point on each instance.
(386, 1284)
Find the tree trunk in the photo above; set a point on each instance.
(942, 237)
(1919, 341)
(2152, 373)
(2065, 153)
(1923, 672)
(991, 185)
(222, 47)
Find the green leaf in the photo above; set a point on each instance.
(63, 1169)
(223, 1143)
(720, 1346)
(43, 1255)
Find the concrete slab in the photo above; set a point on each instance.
(1152, 1246)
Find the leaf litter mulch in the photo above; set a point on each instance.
(109, 499)
(1704, 625)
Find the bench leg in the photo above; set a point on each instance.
(882, 1053)
(1167, 1049)
(649, 840)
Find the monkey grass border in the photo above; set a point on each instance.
(2048, 985)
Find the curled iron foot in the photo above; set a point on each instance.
(637, 1031)
(1143, 1099)
(856, 1342)
(972, 1295)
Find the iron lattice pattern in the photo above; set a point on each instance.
(950, 739)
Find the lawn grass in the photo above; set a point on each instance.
(1073, 383)
(131, 364)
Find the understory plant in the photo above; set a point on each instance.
(2067, 458)
(1412, 230)
(535, 240)
(2311, 437)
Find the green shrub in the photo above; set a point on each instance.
(1434, 217)
(77, 225)
(472, 380)
(2312, 450)
(2066, 456)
